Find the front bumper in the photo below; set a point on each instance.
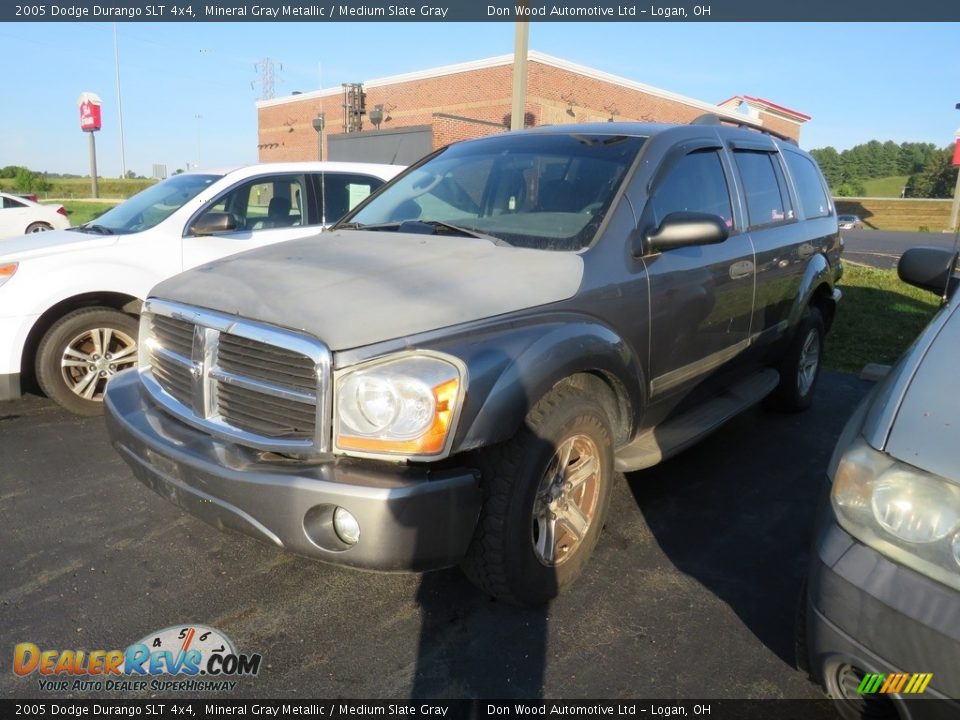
(868, 612)
(411, 517)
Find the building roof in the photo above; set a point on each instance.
(763, 104)
(532, 56)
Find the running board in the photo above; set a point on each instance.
(659, 443)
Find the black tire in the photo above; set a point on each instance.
(77, 329)
(38, 227)
(794, 394)
(503, 558)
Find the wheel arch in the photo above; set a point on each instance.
(115, 300)
(816, 288)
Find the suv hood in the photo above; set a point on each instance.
(351, 288)
(48, 243)
(926, 431)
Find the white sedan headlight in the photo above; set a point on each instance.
(7, 271)
(406, 405)
(899, 510)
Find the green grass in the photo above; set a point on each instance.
(116, 188)
(878, 317)
(885, 186)
(80, 211)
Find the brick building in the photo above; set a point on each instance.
(456, 102)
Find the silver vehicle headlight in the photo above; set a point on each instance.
(7, 271)
(406, 405)
(901, 511)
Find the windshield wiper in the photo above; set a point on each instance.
(102, 229)
(469, 232)
(367, 226)
(435, 224)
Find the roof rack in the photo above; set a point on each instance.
(714, 119)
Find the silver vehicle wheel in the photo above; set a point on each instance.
(566, 500)
(809, 362)
(93, 357)
(38, 227)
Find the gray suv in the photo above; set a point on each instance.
(457, 372)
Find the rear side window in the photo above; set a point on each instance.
(343, 192)
(768, 201)
(11, 203)
(809, 186)
(695, 184)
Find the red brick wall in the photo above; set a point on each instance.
(286, 133)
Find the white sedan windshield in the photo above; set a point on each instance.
(152, 206)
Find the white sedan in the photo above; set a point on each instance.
(20, 216)
(69, 299)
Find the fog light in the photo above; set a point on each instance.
(346, 526)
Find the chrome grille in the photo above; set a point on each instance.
(256, 384)
(172, 334)
(265, 416)
(258, 360)
(175, 378)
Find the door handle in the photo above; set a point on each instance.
(741, 269)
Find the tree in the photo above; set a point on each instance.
(850, 188)
(10, 171)
(829, 161)
(28, 181)
(937, 179)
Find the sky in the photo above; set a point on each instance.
(189, 90)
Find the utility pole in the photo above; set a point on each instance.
(521, 41)
(955, 210)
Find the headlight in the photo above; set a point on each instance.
(407, 405)
(7, 271)
(899, 510)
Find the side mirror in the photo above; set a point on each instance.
(928, 268)
(213, 223)
(683, 229)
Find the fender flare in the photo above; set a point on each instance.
(512, 380)
(817, 273)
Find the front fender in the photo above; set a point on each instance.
(511, 369)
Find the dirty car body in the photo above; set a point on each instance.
(557, 268)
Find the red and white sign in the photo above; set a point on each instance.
(89, 105)
(956, 153)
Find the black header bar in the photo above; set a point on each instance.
(338, 11)
(634, 709)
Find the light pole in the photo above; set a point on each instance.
(116, 65)
(318, 122)
(198, 118)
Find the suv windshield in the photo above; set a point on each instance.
(152, 206)
(545, 191)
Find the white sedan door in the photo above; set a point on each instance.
(262, 210)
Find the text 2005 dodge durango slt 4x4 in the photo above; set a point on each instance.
(459, 369)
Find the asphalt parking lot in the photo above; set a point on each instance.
(691, 592)
(882, 248)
